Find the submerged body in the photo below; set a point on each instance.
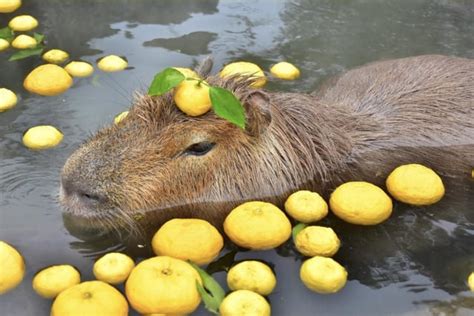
(159, 163)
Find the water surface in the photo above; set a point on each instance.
(416, 263)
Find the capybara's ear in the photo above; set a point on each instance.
(204, 67)
(257, 107)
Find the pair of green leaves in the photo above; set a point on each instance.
(211, 292)
(7, 34)
(224, 103)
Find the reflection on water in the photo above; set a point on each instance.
(416, 263)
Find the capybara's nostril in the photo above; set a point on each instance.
(81, 192)
(91, 197)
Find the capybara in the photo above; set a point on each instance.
(159, 163)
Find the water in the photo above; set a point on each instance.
(416, 263)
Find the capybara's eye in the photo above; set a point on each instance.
(199, 149)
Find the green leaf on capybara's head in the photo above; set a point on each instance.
(165, 81)
(227, 106)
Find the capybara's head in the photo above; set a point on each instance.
(160, 162)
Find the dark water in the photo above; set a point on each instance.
(416, 263)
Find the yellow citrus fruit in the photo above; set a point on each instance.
(192, 98)
(470, 281)
(323, 275)
(8, 6)
(187, 72)
(42, 137)
(317, 241)
(79, 69)
(23, 23)
(163, 285)
(4, 44)
(23, 42)
(188, 239)
(12, 267)
(244, 303)
(90, 298)
(112, 63)
(361, 203)
(253, 276)
(245, 69)
(120, 117)
(285, 70)
(306, 206)
(55, 56)
(8, 99)
(51, 281)
(415, 184)
(48, 80)
(113, 268)
(257, 225)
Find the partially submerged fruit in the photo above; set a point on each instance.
(90, 298)
(317, 241)
(112, 63)
(306, 206)
(8, 6)
(42, 137)
(415, 184)
(23, 23)
(243, 68)
(4, 44)
(120, 117)
(24, 42)
(48, 80)
(12, 267)
(187, 72)
(253, 276)
(361, 203)
(55, 56)
(285, 70)
(257, 225)
(79, 69)
(188, 239)
(192, 97)
(51, 281)
(113, 268)
(323, 275)
(8, 99)
(244, 303)
(470, 281)
(163, 285)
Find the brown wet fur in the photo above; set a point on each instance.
(359, 126)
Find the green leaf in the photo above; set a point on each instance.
(297, 229)
(38, 37)
(227, 106)
(7, 33)
(211, 292)
(165, 81)
(210, 303)
(25, 53)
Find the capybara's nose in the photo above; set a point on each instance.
(83, 193)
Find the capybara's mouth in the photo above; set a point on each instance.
(88, 220)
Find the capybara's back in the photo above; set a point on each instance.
(417, 109)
